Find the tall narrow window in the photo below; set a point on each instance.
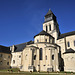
(26, 57)
(8, 56)
(0, 62)
(50, 27)
(34, 57)
(46, 28)
(7, 63)
(68, 43)
(46, 57)
(13, 61)
(40, 54)
(45, 40)
(52, 57)
(20, 56)
(74, 43)
(37, 40)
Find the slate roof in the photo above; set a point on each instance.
(69, 51)
(49, 12)
(20, 47)
(43, 33)
(66, 34)
(4, 49)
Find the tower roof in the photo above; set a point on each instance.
(43, 33)
(49, 12)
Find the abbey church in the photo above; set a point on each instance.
(50, 50)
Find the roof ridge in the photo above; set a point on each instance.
(3, 46)
(67, 32)
(24, 43)
(21, 43)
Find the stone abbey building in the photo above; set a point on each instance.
(50, 50)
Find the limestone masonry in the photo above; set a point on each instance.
(50, 50)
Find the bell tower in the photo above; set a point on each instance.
(50, 25)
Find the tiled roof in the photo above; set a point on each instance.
(66, 34)
(4, 49)
(43, 33)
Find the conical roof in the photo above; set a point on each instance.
(43, 33)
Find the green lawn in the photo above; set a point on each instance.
(15, 71)
(34, 73)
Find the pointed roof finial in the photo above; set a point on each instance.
(49, 12)
(49, 9)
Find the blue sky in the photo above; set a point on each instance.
(21, 20)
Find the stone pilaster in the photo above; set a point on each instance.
(30, 53)
(51, 57)
(56, 60)
(37, 59)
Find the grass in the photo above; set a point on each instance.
(33, 73)
(15, 71)
(5, 73)
(12, 69)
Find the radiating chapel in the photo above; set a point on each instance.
(50, 50)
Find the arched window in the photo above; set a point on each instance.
(7, 63)
(40, 54)
(34, 57)
(13, 61)
(45, 40)
(68, 43)
(52, 57)
(0, 62)
(46, 28)
(50, 27)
